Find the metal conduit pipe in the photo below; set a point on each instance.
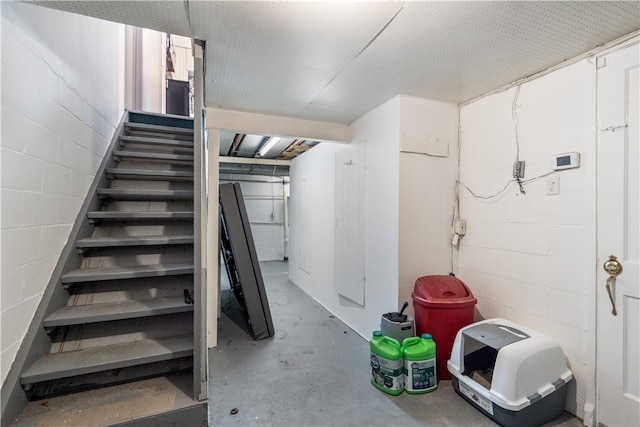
(285, 197)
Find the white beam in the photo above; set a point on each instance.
(254, 161)
(262, 124)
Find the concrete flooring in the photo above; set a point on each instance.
(314, 372)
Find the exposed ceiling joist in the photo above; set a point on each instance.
(296, 148)
(263, 124)
(235, 146)
(254, 161)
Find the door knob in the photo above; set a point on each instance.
(613, 268)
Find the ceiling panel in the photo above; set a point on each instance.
(278, 148)
(334, 61)
(226, 139)
(250, 145)
(276, 57)
(457, 51)
(166, 16)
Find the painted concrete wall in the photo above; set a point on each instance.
(62, 98)
(530, 258)
(427, 185)
(264, 198)
(312, 222)
(152, 71)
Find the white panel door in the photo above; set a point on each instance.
(618, 331)
(349, 223)
(305, 220)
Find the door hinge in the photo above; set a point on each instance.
(601, 62)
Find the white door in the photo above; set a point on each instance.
(618, 191)
(349, 223)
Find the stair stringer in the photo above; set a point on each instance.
(36, 341)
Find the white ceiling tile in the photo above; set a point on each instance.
(250, 145)
(334, 61)
(454, 51)
(277, 56)
(226, 140)
(167, 16)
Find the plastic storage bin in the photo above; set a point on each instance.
(442, 306)
(514, 375)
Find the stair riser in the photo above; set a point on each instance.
(109, 365)
(128, 243)
(157, 148)
(148, 175)
(167, 142)
(145, 195)
(167, 131)
(105, 378)
(125, 275)
(118, 316)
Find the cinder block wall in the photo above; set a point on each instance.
(62, 98)
(529, 258)
(264, 198)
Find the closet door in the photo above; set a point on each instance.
(349, 223)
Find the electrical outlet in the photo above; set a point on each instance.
(553, 185)
(460, 227)
(518, 169)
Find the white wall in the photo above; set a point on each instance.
(530, 258)
(62, 97)
(183, 63)
(264, 200)
(152, 71)
(408, 203)
(313, 192)
(426, 191)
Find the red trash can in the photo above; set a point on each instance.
(443, 305)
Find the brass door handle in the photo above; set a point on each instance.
(613, 268)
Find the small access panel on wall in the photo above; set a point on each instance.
(241, 261)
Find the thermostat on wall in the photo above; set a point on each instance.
(566, 161)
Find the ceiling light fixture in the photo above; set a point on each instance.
(268, 146)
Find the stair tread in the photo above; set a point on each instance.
(158, 128)
(96, 242)
(90, 313)
(79, 362)
(144, 193)
(140, 215)
(114, 273)
(157, 141)
(152, 156)
(145, 173)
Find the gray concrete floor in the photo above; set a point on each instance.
(315, 372)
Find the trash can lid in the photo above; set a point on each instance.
(442, 291)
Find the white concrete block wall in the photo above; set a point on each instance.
(529, 258)
(264, 200)
(62, 97)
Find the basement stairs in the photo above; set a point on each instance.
(121, 321)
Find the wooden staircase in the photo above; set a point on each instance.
(129, 286)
